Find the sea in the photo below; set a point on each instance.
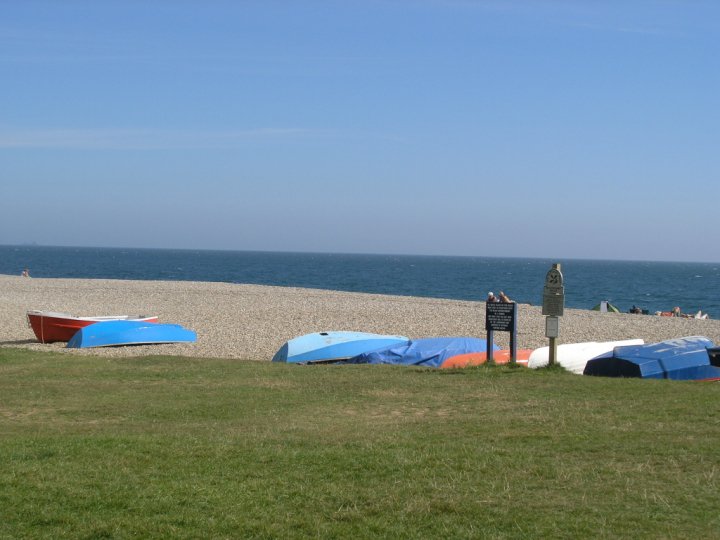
(652, 286)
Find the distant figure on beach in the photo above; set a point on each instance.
(25, 273)
(492, 298)
(504, 298)
(676, 312)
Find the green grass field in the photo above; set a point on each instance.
(193, 448)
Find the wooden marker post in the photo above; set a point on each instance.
(553, 306)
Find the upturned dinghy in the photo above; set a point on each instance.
(52, 326)
(115, 333)
(332, 346)
(574, 356)
(682, 359)
(500, 357)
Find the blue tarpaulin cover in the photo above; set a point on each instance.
(429, 352)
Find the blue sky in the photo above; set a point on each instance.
(531, 128)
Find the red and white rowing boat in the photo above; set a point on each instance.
(50, 326)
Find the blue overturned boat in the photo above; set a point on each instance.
(116, 333)
(691, 358)
(333, 346)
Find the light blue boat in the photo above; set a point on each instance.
(333, 346)
(115, 333)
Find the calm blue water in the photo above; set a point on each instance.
(656, 286)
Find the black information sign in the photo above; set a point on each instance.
(501, 317)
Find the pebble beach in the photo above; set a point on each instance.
(251, 322)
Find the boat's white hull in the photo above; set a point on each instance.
(574, 356)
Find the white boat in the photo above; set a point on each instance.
(574, 356)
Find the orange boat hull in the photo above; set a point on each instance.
(477, 359)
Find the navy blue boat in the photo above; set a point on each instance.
(115, 333)
(684, 359)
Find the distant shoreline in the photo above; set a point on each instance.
(652, 286)
(360, 254)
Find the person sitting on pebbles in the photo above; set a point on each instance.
(504, 298)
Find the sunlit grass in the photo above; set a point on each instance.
(177, 447)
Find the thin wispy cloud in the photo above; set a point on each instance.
(152, 139)
(144, 138)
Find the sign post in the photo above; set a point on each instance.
(501, 316)
(553, 307)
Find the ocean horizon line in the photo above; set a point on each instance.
(361, 254)
(650, 285)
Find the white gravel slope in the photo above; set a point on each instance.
(253, 321)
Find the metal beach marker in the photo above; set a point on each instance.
(501, 316)
(553, 306)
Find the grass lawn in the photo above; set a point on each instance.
(193, 448)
